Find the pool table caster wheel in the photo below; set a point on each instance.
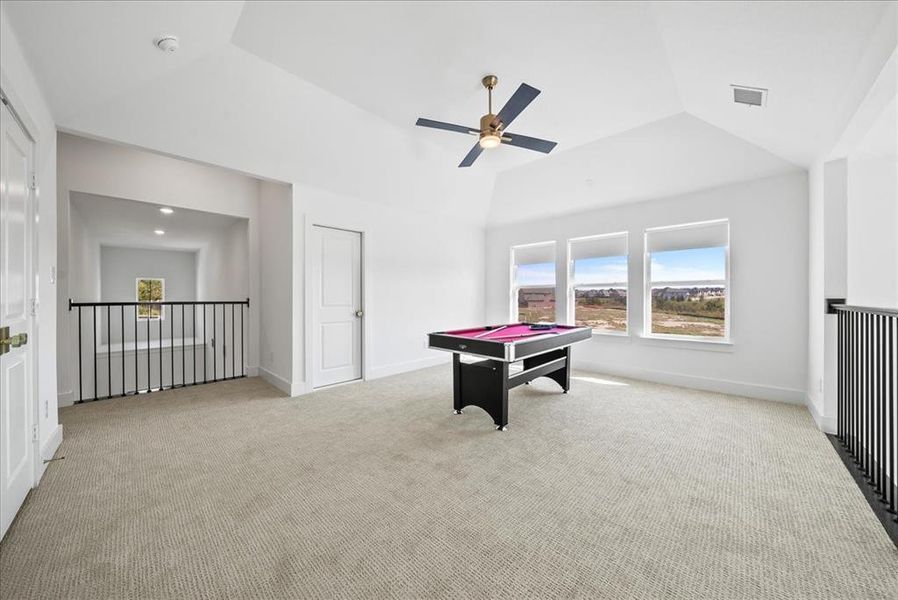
(526, 383)
(564, 392)
(501, 427)
(458, 411)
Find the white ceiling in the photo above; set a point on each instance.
(672, 156)
(601, 67)
(129, 223)
(326, 93)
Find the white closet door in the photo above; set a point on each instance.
(336, 281)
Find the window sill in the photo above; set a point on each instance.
(708, 345)
(611, 335)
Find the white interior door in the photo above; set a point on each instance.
(336, 281)
(16, 402)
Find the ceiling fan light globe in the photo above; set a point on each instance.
(489, 140)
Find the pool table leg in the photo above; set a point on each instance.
(502, 409)
(456, 382)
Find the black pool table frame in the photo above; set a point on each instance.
(486, 383)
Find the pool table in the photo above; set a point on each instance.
(544, 350)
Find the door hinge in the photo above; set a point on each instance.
(33, 181)
(34, 433)
(34, 307)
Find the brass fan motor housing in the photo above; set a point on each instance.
(486, 124)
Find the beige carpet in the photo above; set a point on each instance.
(377, 490)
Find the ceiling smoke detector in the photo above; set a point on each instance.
(750, 96)
(167, 43)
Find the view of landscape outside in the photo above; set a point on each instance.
(150, 290)
(684, 309)
(536, 292)
(689, 311)
(600, 293)
(680, 306)
(536, 304)
(602, 309)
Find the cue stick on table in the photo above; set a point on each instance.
(523, 335)
(489, 331)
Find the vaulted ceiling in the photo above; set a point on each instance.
(326, 93)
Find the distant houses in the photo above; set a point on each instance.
(693, 293)
(536, 298)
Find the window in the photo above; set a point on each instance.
(150, 289)
(687, 280)
(598, 282)
(533, 283)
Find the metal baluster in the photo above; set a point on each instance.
(108, 353)
(80, 368)
(183, 372)
(233, 343)
(193, 343)
(205, 342)
(149, 370)
(136, 378)
(856, 391)
(215, 345)
(242, 347)
(95, 352)
(123, 347)
(159, 315)
(880, 485)
(871, 392)
(840, 376)
(171, 345)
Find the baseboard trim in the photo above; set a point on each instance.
(723, 386)
(279, 382)
(65, 399)
(48, 450)
(824, 424)
(405, 367)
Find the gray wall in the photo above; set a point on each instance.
(120, 267)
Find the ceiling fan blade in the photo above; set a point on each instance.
(530, 143)
(471, 156)
(447, 126)
(518, 102)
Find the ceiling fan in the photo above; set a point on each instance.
(492, 127)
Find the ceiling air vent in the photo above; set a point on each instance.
(750, 96)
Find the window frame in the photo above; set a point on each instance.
(572, 285)
(648, 284)
(515, 288)
(161, 316)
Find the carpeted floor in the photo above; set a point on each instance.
(620, 489)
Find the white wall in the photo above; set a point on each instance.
(276, 283)
(97, 167)
(769, 279)
(222, 265)
(421, 274)
(872, 255)
(20, 85)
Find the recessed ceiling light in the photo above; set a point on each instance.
(159, 231)
(166, 211)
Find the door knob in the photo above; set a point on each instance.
(7, 341)
(359, 313)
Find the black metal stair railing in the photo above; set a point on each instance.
(868, 403)
(127, 348)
